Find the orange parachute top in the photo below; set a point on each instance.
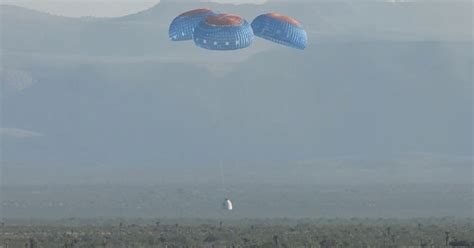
(284, 18)
(224, 20)
(196, 12)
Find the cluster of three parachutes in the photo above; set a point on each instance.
(214, 31)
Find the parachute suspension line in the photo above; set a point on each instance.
(217, 110)
(222, 177)
(216, 115)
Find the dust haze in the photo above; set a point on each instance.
(106, 118)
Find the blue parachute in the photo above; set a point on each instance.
(182, 27)
(280, 29)
(223, 32)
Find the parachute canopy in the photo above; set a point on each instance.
(227, 205)
(280, 29)
(182, 27)
(223, 32)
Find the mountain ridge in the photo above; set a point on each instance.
(118, 90)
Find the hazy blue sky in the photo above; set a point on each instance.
(96, 7)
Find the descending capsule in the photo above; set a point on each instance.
(280, 29)
(223, 32)
(227, 205)
(182, 27)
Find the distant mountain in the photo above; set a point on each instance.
(141, 33)
(375, 80)
(12, 12)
